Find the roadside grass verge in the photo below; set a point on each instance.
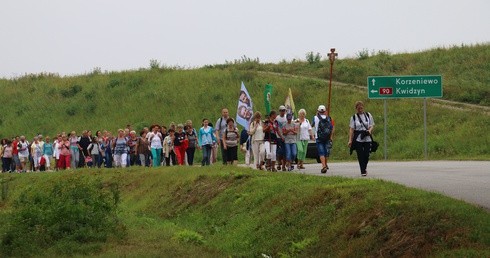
(230, 211)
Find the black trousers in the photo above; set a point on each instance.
(223, 153)
(190, 155)
(171, 157)
(362, 150)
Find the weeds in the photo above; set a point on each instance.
(75, 211)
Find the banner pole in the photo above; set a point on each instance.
(331, 57)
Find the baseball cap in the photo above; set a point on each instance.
(321, 108)
(282, 107)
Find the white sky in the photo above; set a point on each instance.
(75, 36)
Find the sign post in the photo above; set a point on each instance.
(331, 56)
(405, 86)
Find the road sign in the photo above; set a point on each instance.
(411, 86)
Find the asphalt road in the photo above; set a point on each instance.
(464, 180)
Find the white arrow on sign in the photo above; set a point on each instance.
(374, 82)
(374, 91)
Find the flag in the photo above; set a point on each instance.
(267, 98)
(289, 103)
(244, 111)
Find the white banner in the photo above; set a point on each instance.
(245, 108)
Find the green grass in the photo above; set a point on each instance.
(48, 104)
(223, 211)
(465, 69)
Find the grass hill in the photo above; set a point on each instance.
(465, 69)
(230, 212)
(49, 104)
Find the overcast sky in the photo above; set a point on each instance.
(75, 36)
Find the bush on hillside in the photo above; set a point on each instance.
(75, 216)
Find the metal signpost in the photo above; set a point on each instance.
(405, 86)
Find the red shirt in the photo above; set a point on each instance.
(15, 151)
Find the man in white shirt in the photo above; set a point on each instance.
(324, 129)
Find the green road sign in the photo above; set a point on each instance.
(411, 86)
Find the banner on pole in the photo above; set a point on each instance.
(267, 98)
(245, 108)
(289, 103)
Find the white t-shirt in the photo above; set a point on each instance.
(24, 149)
(367, 119)
(304, 134)
(155, 140)
(281, 121)
(259, 132)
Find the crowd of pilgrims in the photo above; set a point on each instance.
(152, 147)
(278, 137)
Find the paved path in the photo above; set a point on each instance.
(464, 180)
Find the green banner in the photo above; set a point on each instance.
(267, 98)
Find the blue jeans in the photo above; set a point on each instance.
(323, 148)
(75, 157)
(290, 151)
(206, 154)
(108, 157)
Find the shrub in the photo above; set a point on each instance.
(72, 110)
(313, 58)
(113, 83)
(154, 64)
(76, 212)
(189, 236)
(363, 54)
(71, 91)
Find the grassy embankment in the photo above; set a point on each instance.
(50, 104)
(222, 211)
(465, 69)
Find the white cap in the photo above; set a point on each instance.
(282, 107)
(321, 108)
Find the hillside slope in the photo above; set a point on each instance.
(465, 69)
(49, 104)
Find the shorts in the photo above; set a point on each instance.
(23, 159)
(323, 148)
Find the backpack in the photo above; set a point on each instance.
(324, 128)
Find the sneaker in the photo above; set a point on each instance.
(363, 174)
(284, 169)
(324, 170)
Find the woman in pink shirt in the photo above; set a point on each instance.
(64, 150)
